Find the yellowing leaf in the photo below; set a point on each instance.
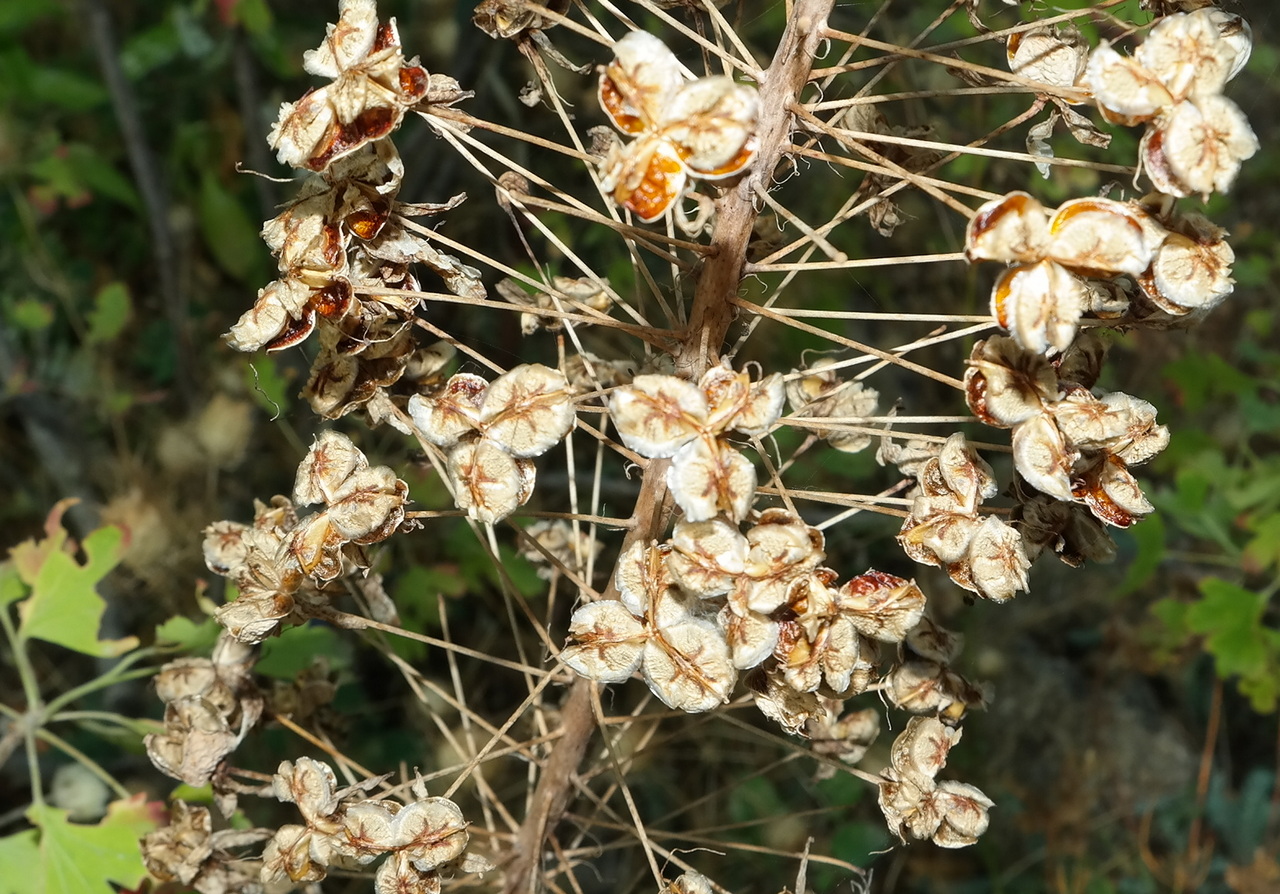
(29, 555)
(86, 859)
(65, 607)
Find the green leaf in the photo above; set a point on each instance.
(84, 859)
(190, 635)
(254, 15)
(65, 607)
(111, 309)
(230, 234)
(101, 177)
(11, 586)
(1263, 549)
(1230, 618)
(149, 50)
(19, 849)
(66, 89)
(293, 651)
(30, 314)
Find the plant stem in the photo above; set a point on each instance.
(31, 719)
(118, 673)
(699, 349)
(84, 760)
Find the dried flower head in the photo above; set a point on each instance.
(372, 85)
(703, 128)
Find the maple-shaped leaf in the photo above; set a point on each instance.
(86, 859)
(65, 607)
(1230, 618)
(29, 556)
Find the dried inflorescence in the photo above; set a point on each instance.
(1190, 273)
(1067, 443)
(560, 544)
(492, 431)
(371, 86)
(210, 704)
(1041, 298)
(342, 234)
(187, 850)
(420, 839)
(981, 553)
(565, 294)
(280, 562)
(1053, 54)
(665, 416)
(682, 129)
(820, 393)
(1196, 138)
(713, 601)
(915, 803)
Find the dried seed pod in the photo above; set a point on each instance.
(1188, 275)
(1013, 228)
(966, 475)
(708, 477)
(782, 551)
(1098, 237)
(1069, 529)
(920, 750)
(1007, 384)
(657, 415)
(372, 87)
(964, 814)
(791, 710)
(1198, 146)
(752, 636)
(823, 394)
(528, 410)
(931, 641)
(447, 415)
(707, 557)
(928, 687)
(934, 537)
(1040, 304)
(881, 606)
(398, 875)
(606, 642)
(997, 562)
(288, 858)
(642, 576)
(846, 739)
(735, 403)
(1111, 492)
(1057, 56)
(488, 482)
(704, 128)
(689, 882)
(323, 471)
(687, 666)
(1042, 457)
(311, 785)
(430, 832)
(1081, 364)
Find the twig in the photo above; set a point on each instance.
(151, 187)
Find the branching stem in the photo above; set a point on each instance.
(713, 309)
